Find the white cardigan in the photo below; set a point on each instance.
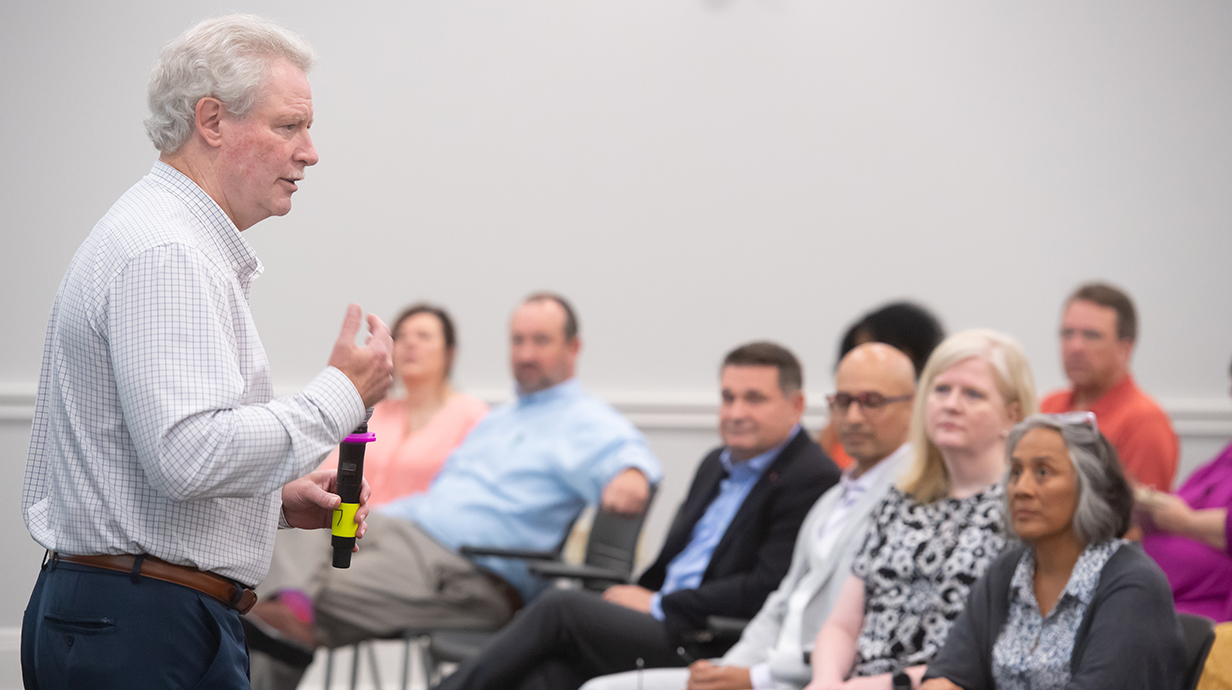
(759, 642)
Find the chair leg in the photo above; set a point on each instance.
(427, 663)
(355, 666)
(406, 663)
(376, 674)
(329, 667)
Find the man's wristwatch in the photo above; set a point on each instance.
(901, 681)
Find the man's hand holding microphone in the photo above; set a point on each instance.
(310, 502)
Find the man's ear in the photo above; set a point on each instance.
(797, 402)
(1124, 350)
(209, 114)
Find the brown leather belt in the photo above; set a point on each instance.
(228, 592)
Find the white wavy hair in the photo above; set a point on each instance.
(225, 58)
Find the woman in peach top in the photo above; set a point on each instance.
(417, 432)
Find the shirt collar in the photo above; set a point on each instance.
(1112, 398)
(1117, 395)
(887, 464)
(235, 250)
(1024, 572)
(1083, 579)
(758, 463)
(567, 388)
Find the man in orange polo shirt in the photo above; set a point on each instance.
(1098, 331)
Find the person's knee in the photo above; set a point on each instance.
(561, 603)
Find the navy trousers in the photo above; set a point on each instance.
(88, 628)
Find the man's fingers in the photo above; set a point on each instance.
(622, 502)
(350, 324)
(377, 329)
(321, 497)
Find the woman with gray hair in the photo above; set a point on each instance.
(1075, 605)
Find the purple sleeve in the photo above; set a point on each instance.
(1227, 529)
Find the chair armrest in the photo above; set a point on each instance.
(523, 554)
(588, 573)
(726, 627)
(718, 629)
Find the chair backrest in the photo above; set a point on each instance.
(613, 539)
(1199, 633)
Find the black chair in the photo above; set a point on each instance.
(1199, 634)
(611, 550)
(418, 635)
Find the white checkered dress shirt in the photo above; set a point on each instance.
(155, 430)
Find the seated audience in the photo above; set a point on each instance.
(1074, 605)
(415, 433)
(908, 327)
(871, 411)
(1187, 535)
(517, 481)
(728, 547)
(1098, 330)
(937, 533)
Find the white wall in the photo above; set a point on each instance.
(693, 174)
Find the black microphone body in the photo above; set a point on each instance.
(350, 483)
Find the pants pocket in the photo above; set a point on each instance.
(229, 667)
(76, 651)
(83, 625)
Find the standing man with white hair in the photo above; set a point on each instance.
(160, 463)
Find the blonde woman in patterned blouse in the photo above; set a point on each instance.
(935, 534)
(1075, 605)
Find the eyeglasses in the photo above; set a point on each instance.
(1078, 417)
(868, 400)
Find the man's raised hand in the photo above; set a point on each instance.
(369, 366)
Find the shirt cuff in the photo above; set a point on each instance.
(656, 606)
(760, 676)
(337, 398)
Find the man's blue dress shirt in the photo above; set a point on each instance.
(523, 474)
(686, 570)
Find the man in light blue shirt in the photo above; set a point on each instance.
(727, 549)
(518, 481)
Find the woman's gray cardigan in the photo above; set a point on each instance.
(1129, 637)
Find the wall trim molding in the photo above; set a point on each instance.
(698, 411)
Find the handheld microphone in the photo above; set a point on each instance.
(350, 483)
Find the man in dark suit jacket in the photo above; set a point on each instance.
(727, 549)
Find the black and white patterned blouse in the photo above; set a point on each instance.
(918, 563)
(1033, 652)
